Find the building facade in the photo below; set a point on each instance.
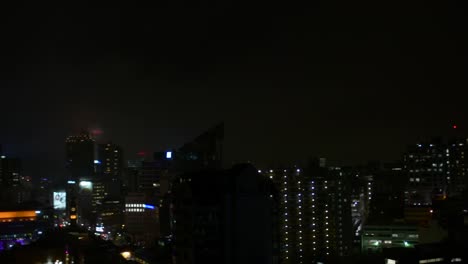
(141, 219)
(80, 156)
(314, 213)
(225, 216)
(435, 170)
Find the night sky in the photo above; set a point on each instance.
(350, 81)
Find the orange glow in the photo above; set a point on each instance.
(17, 214)
(73, 217)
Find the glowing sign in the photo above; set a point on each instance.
(17, 214)
(60, 200)
(86, 185)
(99, 229)
(71, 182)
(97, 162)
(169, 155)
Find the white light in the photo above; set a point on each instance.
(86, 184)
(126, 255)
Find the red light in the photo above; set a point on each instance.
(454, 126)
(97, 132)
(141, 153)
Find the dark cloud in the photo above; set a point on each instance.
(350, 81)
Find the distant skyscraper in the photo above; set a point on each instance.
(10, 171)
(205, 151)
(110, 160)
(80, 154)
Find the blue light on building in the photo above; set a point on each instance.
(169, 155)
(149, 206)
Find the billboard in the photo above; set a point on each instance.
(60, 200)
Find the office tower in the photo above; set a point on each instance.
(205, 151)
(314, 213)
(435, 170)
(141, 219)
(42, 192)
(130, 176)
(11, 189)
(110, 214)
(457, 178)
(80, 155)
(225, 216)
(98, 194)
(10, 171)
(110, 160)
(388, 189)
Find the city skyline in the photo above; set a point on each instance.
(347, 82)
(58, 169)
(235, 132)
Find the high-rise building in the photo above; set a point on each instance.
(388, 189)
(314, 213)
(225, 216)
(13, 188)
(141, 219)
(10, 171)
(98, 194)
(110, 160)
(80, 154)
(111, 215)
(205, 151)
(435, 170)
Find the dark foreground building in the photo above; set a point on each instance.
(225, 216)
